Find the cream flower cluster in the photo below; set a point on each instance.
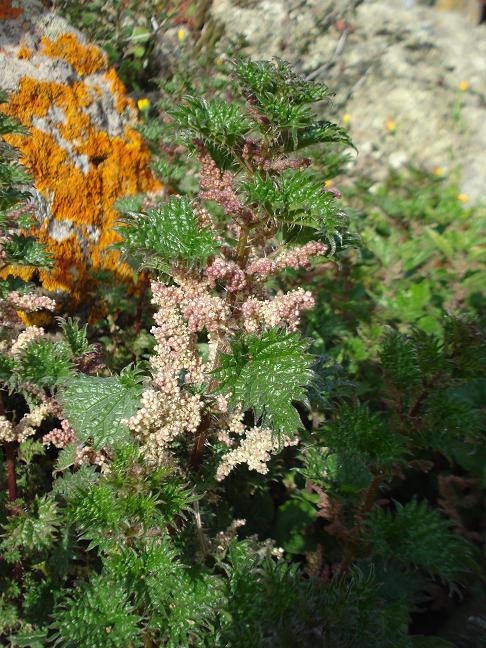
(283, 310)
(31, 302)
(168, 410)
(26, 427)
(30, 334)
(254, 449)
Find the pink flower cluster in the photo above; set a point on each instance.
(18, 302)
(283, 310)
(295, 258)
(228, 273)
(218, 186)
(60, 437)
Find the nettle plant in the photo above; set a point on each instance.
(229, 363)
(126, 531)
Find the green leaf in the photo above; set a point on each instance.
(46, 363)
(33, 639)
(267, 374)
(297, 199)
(96, 407)
(293, 519)
(170, 232)
(416, 535)
(319, 133)
(219, 125)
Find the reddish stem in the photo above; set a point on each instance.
(11, 476)
(10, 462)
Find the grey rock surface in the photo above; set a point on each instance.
(397, 67)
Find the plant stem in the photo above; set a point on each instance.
(367, 504)
(9, 462)
(144, 282)
(11, 476)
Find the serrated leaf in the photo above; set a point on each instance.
(169, 232)
(96, 407)
(267, 374)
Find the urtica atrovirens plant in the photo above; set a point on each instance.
(229, 364)
(150, 503)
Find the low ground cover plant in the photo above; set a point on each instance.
(234, 485)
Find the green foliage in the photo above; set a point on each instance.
(299, 200)
(33, 530)
(358, 431)
(421, 256)
(45, 363)
(22, 250)
(105, 547)
(76, 336)
(417, 536)
(97, 406)
(17, 247)
(99, 616)
(168, 233)
(218, 125)
(267, 374)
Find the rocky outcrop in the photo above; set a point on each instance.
(410, 80)
(84, 151)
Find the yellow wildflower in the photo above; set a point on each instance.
(438, 171)
(143, 104)
(390, 125)
(464, 198)
(463, 86)
(346, 119)
(181, 34)
(328, 183)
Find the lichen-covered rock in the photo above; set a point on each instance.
(84, 151)
(410, 79)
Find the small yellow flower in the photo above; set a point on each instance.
(143, 104)
(181, 34)
(218, 60)
(328, 183)
(390, 125)
(463, 86)
(438, 171)
(346, 119)
(464, 198)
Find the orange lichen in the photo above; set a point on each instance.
(7, 12)
(81, 198)
(85, 59)
(24, 52)
(119, 92)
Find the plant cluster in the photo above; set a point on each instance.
(234, 487)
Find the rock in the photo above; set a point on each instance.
(470, 9)
(411, 79)
(84, 151)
